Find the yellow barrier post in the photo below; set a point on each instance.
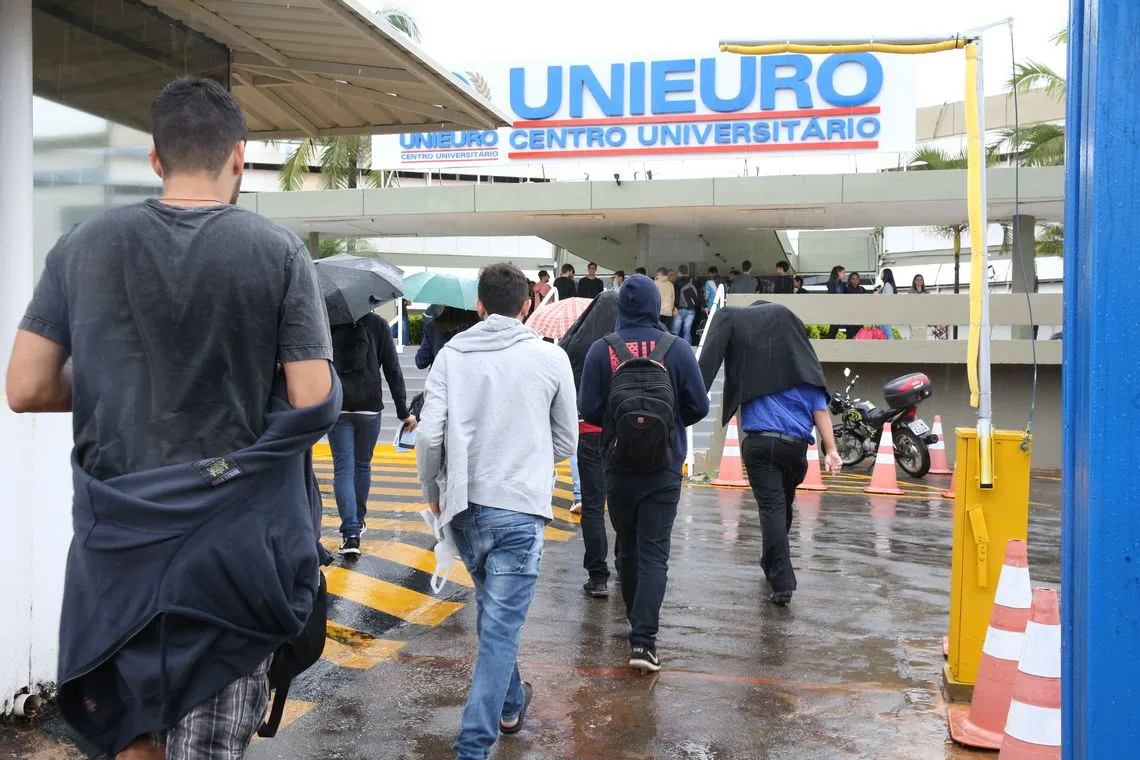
(984, 520)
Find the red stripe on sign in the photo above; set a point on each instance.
(698, 117)
(688, 149)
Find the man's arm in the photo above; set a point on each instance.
(39, 378)
(430, 434)
(822, 420)
(304, 341)
(692, 398)
(717, 334)
(564, 412)
(595, 384)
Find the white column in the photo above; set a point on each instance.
(20, 666)
(16, 261)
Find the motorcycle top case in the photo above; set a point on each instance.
(907, 390)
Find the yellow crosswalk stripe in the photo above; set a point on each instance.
(294, 709)
(379, 478)
(390, 598)
(382, 523)
(557, 534)
(382, 506)
(350, 648)
(564, 514)
(414, 557)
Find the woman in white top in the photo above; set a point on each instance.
(887, 288)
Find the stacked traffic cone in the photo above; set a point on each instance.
(1033, 728)
(883, 478)
(813, 481)
(938, 463)
(731, 472)
(949, 492)
(983, 724)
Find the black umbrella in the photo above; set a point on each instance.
(355, 285)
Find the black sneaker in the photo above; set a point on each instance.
(644, 659)
(781, 598)
(596, 589)
(350, 546)
(363, 527)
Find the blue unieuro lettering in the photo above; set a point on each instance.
(771, 80)
(583, 78)
(518, 139)
(868, 127)
(814, 130)
(836, 128)
(553, 94)
(761, 132)
(637, 88)
(825, 79)
(615, 137)
(661, 86)
(738, 102)
(647, 134)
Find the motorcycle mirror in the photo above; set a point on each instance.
(847, 372)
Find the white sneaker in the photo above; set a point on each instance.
(576, 509)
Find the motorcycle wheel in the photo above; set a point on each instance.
(911, 453)
(849, 446)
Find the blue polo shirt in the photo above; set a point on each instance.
(788, 412)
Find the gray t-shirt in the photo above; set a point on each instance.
(175, 320)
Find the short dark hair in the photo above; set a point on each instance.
(782, 266)
(567, 268)
(640, 270)
(798, 279)
(591, 264)
(195, 124)
(620, 273)
(746, 265)
(503, 289)
(683, 269)
(662, 270)
(714, 271)
(543, 273)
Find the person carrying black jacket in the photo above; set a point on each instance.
(360, 352)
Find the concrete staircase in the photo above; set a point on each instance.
(414, 380)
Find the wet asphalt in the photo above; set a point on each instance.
(851, 669)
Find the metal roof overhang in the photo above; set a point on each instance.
(716, 221)
(299, 68)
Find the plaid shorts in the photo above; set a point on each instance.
(221, 727)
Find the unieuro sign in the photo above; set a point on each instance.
(717, 105)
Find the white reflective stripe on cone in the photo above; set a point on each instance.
(812, 454)
(884, 458)
(1043, 657)
(937, 446)
(1014, 588)
(1004, 645)
(1033, 724)
(731, 451)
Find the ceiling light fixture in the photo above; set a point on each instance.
(610, 240)
(571, 215)
(784, 209)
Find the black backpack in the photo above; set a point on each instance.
(640, 408)
(356, 358)
(690, 296)
(294, 657)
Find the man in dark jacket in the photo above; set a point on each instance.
(565, 285)
(174, 314)
(360, 352)
(783, 283)
(772, 375)
(643, 505)
(590, 286)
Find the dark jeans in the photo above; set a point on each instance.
(668, 322)
(775, 468)
(352, 440)
(642, 510)
(593, 476)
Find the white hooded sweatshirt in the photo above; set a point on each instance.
(499, 412)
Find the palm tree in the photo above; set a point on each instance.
(1051, 239)
(1039, 144)
(346, 162)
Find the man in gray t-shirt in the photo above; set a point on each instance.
(175, 315)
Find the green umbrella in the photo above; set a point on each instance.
(444, 289)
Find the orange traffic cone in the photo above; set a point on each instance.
(949, 492)
(938, 463)
(1033, 728)
(983, 724)
(731, 472)
(883, 478)
(813, 481)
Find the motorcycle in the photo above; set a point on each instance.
(861, 423)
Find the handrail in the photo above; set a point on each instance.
(718, 302)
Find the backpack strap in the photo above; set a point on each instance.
(662, 347)
(269, 728)
(620, 349)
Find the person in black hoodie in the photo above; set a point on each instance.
(565, 285)
(643, 505)
(360, 352)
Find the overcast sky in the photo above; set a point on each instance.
(456, 32)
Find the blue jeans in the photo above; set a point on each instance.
(888, 331)
(683, 324)
(503, 551)
(576, 479)
(352, 440)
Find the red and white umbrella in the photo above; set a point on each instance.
(555, 318)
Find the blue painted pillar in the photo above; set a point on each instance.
(1100, 544)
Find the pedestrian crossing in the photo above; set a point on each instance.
(377, 600)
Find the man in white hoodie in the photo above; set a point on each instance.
(499, 413)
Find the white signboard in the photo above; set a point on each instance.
(687, 107)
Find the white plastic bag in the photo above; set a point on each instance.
(445, 552)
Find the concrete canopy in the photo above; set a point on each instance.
(299, 68)
(708, 221)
